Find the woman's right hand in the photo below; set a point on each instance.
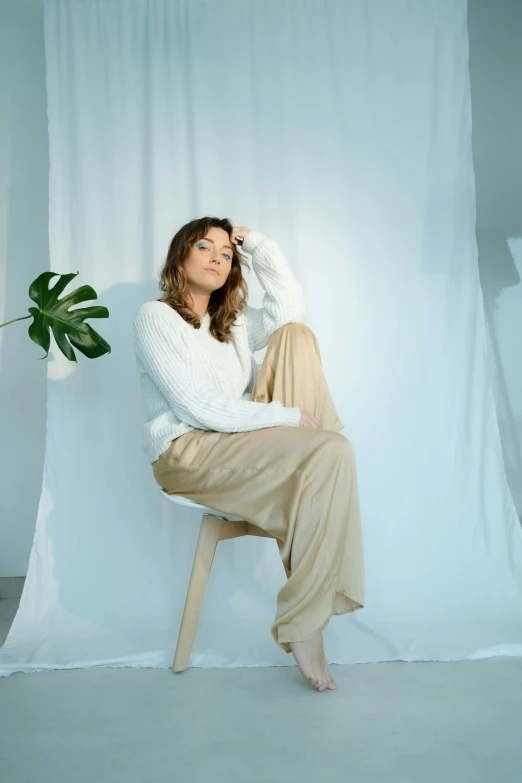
(309, 420)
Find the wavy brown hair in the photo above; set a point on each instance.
(226, 302)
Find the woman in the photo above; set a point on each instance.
(260, 443)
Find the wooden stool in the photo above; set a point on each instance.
(215, 527)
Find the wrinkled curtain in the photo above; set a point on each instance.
(342, 130)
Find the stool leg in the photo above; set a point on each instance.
(203, 558)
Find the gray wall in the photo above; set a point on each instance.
(24, 254)
(495, 33)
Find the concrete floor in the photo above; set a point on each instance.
(390, 722)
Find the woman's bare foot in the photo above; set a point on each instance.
(311, 660)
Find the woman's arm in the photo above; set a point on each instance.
(162, 353)
(283, 300)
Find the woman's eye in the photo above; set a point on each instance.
(204, 247)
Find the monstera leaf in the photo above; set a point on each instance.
(67, 325)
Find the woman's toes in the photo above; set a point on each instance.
(317, 682)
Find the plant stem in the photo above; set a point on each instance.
(16, 319)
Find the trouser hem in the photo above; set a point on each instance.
(284, 634)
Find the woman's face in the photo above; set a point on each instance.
(214, 252)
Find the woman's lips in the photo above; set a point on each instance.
(214, 272)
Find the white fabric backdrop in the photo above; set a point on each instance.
(341, 129)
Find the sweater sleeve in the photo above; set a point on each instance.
(283, 300)
(163, 354)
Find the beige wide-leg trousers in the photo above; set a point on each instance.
(298, 484)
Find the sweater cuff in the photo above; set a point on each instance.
(252, 240)
(292, 417)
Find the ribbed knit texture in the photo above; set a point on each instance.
(186, 388)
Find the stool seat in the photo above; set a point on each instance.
(215, 527)
(180, 500)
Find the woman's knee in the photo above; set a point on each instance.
(296, 329)
(296, 324)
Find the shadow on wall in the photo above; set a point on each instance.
(495, 31)
(24, 254)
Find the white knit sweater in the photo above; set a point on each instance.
(190, 380)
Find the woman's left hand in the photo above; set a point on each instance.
(238, 234)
